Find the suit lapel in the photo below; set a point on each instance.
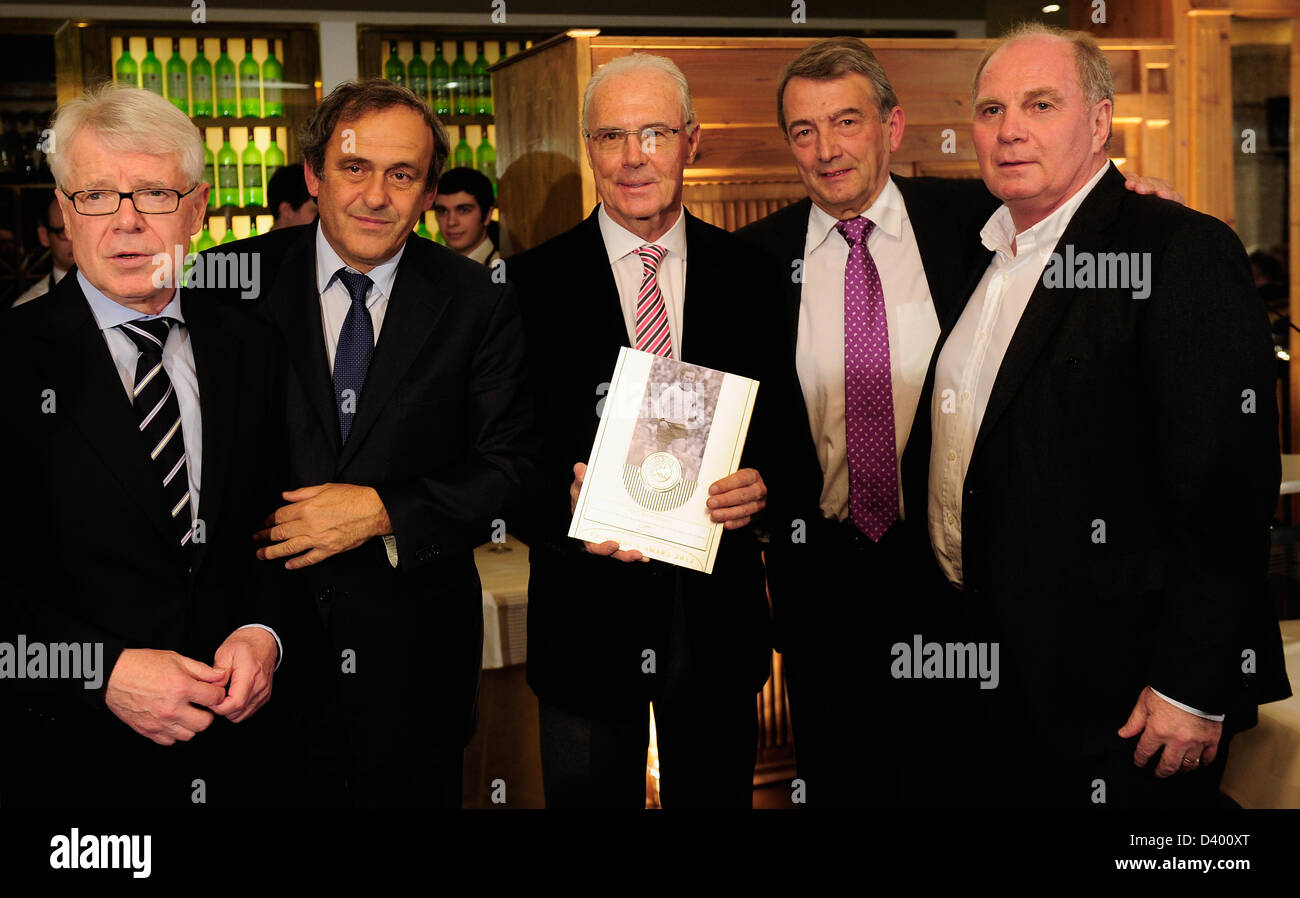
(796, 238)
(605, 308)
(296, 311)
(1046, 308)
(413, 311)
(88, 388)
(217, 363)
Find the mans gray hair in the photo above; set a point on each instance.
(640, 62)
(835, 57)
(128, 120)
(1089, 60)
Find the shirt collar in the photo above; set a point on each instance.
(328, 262)
(888, 212)
(481, 252)
(1041, 238)
(110, 313)
(619, 241)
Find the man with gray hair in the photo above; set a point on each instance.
(1095, 462)
(607, 636)
(135, 464)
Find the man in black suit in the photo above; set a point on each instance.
(134, 465)
(409, 429)
(1099, 462)
(606, 635)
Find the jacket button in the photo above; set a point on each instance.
(325, 593)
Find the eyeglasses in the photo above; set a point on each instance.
(610, 141)
(147, 201)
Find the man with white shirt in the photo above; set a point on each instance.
(1102, 461)
(409, 430)
(605, 636)
(463, 208)
(135, 453)
(54, 237)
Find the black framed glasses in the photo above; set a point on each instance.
(147, 200)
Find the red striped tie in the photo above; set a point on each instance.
(652, 333)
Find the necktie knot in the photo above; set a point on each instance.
(148, 335)
(651, 255)
(855, 230)
(357, 285)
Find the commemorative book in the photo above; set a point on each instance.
(668, 431)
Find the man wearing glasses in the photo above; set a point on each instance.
(54, 237)
(606, 636)
(139, 413)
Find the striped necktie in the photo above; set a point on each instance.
(652, 333)
(159, 417)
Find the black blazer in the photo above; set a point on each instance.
(443, 432)
(946, 216)
(591, 618)
(1132, 412)
(90, 557)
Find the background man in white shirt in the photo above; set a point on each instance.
(54, 237)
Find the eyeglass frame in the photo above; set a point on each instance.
(121, 195)
(639, 132)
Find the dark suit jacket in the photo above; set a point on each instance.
(590, 618)
(1129, 412)
(443, 432)
(946, 215)
(89, 555)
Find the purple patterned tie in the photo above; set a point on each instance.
(868, 389)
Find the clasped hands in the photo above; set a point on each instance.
(167, 697)
(734, 501)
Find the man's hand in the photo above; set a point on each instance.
(610, 546)
(151, 692)
(736, 498)
(1161, 188)
(322, 521)
(249, 655)
(1189, 741)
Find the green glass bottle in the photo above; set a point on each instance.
(252, 162)
(417, 75)
(229, 236)
(422, 230)
(201, 73)
(205, 238)
(485, 160)
(394, 71)
(250, 84)
(272, 78)
(463, 156)
(151, 71)
(224, 75)
(210, 174)
(273, 158)
(482, 84)
(126, 72)
(462, 90)
(439, 75)
(501, 51)
(178, 79)
(228, 175)
(252, 227)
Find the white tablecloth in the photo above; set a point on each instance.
(1264, 762)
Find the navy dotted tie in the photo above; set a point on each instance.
(356, 346)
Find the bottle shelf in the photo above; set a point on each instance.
(483, 120)
(216, 121)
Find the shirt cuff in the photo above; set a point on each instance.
(279, 646)
(1188, 708)
(390, 546)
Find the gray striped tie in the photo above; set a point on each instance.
(159, 416)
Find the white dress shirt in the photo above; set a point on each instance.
(819, 351)
(178, 362)
(485, 253)
(969, 362)
(336, 301)
(621, 246)
(41, 287)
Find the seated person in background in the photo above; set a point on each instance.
(464, 209)
(287, 196)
